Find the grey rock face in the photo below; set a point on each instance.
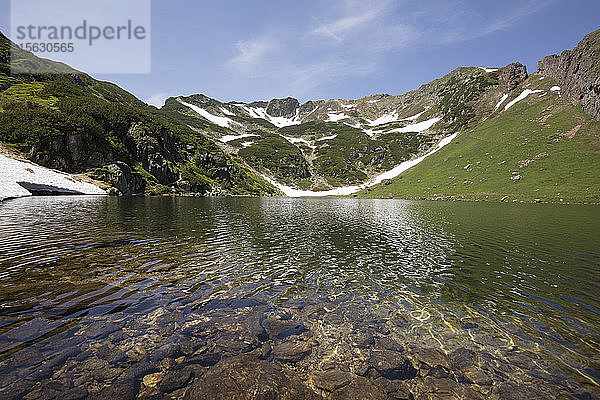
(578, 72)
(123, 179)
(283, 107)
(513, 75)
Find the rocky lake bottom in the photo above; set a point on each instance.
(247, 298)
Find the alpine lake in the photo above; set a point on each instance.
(281, 298)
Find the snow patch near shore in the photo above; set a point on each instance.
(14, 171)
(347, 190)
(522, 96)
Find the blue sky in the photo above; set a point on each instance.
(242, 50)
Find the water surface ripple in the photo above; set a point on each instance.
(514, 287)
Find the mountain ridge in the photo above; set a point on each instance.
(199, 144)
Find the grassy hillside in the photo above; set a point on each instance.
(550, 149)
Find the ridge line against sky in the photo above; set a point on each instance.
(244, 51)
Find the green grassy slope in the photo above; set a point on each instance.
(536, 139)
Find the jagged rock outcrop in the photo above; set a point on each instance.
(154, 153)
(578, 72)
(121, 177)
(283, 107)
(513, 75)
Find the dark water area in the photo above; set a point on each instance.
(297, 298)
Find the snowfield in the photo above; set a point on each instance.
(229, 138)
(522, 96)
(261, 112)
(418, 127)
(414, 117)
(502, 100)
(332, 117)
(384, 119)
(347, 190)
(14, 171)
(328, 137)
(221, 121)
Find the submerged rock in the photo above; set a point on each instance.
(247, 377)
(392, 364)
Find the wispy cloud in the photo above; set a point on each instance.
(354, 38)
(252, 52)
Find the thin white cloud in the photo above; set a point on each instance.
(252, 52)
(354, 38)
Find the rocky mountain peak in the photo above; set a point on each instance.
(578, 72)
(283, 107)
(513, 75)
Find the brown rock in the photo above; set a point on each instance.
(331, 380)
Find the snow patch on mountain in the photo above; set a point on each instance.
(384, 119)
(418, 127)
(221, 121)
(486, 69)
(414, 117)
(328, 137)
(229, 138)
(502, 100)
(347, 190)
(261, 112)
(522, 96)
(332, 117)
(226, 111)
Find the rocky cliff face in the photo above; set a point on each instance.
(513, 75)
(283, 107)
(578, 72)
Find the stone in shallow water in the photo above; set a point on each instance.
(359, 389)
(431, 357)
(152, 380)
(331, 380)
(432, 388)
(247, 377)
(462, 358)
(516, 391)
(291, 351)
(29, 330)
(392, 364)
(395, 389)
(176, 379)
(282, 329)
